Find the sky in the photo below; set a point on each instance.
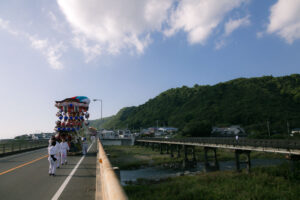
(128, 51)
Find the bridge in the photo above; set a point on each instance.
(24, 175)
(242, 146)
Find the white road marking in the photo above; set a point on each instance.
(65, 183)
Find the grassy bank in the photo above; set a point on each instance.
(263, 183)
(133, 157)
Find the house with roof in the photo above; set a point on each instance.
(228, 131)
(295, 131)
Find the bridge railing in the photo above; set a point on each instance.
(19, 146)
(108, 186)
(274, 143)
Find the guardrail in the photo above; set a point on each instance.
(275, 143)
(108, 186)
(20, 146)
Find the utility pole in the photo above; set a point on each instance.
(268, 125)
(101, 105)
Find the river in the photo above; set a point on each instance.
(160, 172)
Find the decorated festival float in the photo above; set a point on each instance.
(72, 120)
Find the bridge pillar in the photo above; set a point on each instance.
(178, 151)
(167, 147)
(152, 145)
(238, 162)
(207, 165)
(194, 155)
(171, 150)
(161, 148)
(185, 158)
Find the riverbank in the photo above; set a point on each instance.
(135, 157)
(275, 182)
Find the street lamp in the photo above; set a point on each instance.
(101, 105)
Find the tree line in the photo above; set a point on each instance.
(263, 106)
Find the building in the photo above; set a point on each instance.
(228, 131)
(295, 131)
(108, 134)
(124, 133)
(168, 130)
(40, 136)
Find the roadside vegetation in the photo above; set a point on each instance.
(262, 183)
(134, 157)
(276, 182)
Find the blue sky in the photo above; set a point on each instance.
(126, 52)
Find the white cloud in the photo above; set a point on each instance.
(198, 18)
(260, 34)
(57, 24)
(285, 20)
(52, 16)
(90, 51)
(220, 44)
(52, 52)
(5, 26)
(114, 25)
(37, 43)
(232, 25)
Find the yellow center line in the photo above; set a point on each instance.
(12, 169)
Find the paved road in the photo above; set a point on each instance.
(25, 176)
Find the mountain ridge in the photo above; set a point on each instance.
(249, 102)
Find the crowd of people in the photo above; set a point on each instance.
(57, 151)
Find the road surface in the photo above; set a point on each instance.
(25, 176)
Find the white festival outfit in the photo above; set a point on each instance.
(64, 148)
(58, 153)
(52, 153)
(84, 146)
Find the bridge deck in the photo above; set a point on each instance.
(274, 146)
(32, 181)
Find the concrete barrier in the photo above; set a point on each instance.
(117, 142)
(108, 186)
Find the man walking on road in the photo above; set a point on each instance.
(84, 146)
(52, 158)
(58, 150)
(64, 150)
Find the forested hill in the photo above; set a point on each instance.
(249, 102)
